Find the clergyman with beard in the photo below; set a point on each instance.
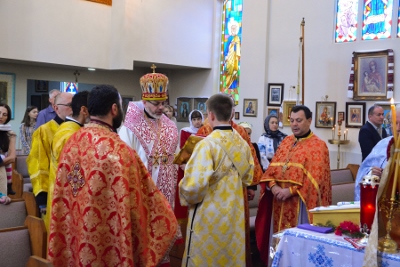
(103, 194)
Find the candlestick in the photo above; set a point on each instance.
(393, 110)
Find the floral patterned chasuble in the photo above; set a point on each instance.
(155, 141)
(107, 211)
(213, 190)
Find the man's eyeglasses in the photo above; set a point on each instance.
(156, 104)
(67, 105)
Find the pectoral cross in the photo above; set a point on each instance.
(155, 159)
(284, 168)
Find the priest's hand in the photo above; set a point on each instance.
(283, 194)
(376, 171)
(250, 194)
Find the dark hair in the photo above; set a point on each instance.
(79, 100)
(4, 136)
(8, 112)
(372, 109)
(306, 110)
(27, 120)
(221, 105)
(195, 114)
(101, 98)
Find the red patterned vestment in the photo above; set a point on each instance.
(106, 209)
(303, 166)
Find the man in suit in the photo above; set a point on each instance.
(372, 132)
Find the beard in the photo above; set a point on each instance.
(117, 120)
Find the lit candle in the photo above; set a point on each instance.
(333, 133)
(393, 109)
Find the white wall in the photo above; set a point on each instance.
(83, 33)
(159, 31)
(327, 64)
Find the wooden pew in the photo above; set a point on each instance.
(24, 245)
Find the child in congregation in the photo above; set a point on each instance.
(27, 127)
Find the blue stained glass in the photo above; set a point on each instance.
(346, 21)
(398, 21)
(377, 20)
(231, 47)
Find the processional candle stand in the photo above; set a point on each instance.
(339, 141)
(390, 205)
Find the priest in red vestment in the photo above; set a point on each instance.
(106, 209)
(298, 177)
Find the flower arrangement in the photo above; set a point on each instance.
(350, 229)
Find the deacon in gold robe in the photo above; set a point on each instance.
(80, 115)
(106, 209)
(220, 167)
(205, 130)
(298, 177)
(38, 160)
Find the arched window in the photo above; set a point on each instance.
(231, 36)
(376, 17)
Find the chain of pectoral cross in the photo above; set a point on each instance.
(291, 152)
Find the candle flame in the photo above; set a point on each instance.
(392, 101)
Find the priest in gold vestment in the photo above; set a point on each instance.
(220, 167)
(106, 209)
(38, 160)
(298, 177)
(72, 124)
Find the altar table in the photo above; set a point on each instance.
(298, 247)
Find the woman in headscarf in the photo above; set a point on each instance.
(270, 140)
(181, 212)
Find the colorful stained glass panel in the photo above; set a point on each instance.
(231, 37)
(398, 21)
(377, 20)
(346, 21)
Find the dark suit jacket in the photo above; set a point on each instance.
(368, 137)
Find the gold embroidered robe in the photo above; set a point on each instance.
(212, 188)
(61, 136)
(107, 211)
(38, 160)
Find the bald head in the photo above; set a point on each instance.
(62, 105)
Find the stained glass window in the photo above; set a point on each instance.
(231, 36)
(398, 22)
(377, 19)
(346, 21)
(69, 87)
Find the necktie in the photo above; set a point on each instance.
(380, 131)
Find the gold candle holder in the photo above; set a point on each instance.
(338, 141)
(386, 243)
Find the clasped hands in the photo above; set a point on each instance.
(281, 193)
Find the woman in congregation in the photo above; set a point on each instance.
(169, 112)
(7, 150)
(270, 140)
(27, 127)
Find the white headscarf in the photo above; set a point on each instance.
(191, 129)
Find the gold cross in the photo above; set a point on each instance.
(153, 67)
(155, 160)
(284, 168)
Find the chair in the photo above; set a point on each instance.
(24, 245)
